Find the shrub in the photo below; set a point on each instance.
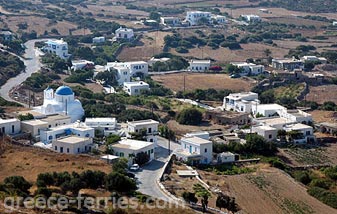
(142, 158)
(189, 197)
(190, 116)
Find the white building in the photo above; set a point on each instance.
(268, 110)
(251, 18)
(57, 47)
(193, 17)
(82, 64)
(334, 23)
(72, 145)
(123, 75)
(135, 88)
(249, 68)
(135, 67)
(33, 127)
(78, 129)
(170, 21)
(226, 157)
(219, 19)
(62, 102)
(130, 148)
(10, 126)
(196, 150)
(204, 135)
(99, 39)
(199, 65)
(107, 125)
(241, 102)
(151, 127)
(307, 132)
(296, 116)
(287, 64)
(322, 60)
(124, 33)
(269, 133)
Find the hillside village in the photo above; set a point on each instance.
(200, 105)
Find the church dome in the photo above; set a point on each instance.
(64, 91)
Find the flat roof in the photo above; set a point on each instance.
(55, 117)
(297, 126)
(109, 157)
(273, 121)
(138, 83)
(195, 140)
(228, 114)
(77, 126)
(100, 120)
(34, 122)
(143, 122)
(72, 139)
(266, 128)
(2, 121)
(287, 60)
(132, 144)
(200, 61)
(56, 41)
(269, 106)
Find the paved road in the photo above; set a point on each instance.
(32, 62)
(148, 175)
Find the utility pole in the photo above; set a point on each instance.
(29, 97)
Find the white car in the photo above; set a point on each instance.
(134, 167)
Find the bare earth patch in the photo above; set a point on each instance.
(321, 94)
(269, 190)
(30, 161)
(202, 81)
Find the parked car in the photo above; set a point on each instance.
(235, 76)
(134, 167)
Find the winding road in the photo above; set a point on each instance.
(32, 62)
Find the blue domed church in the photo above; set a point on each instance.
(61, 102)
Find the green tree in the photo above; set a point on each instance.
(190, 116)
(142, 158)
(189, 197)
(28, 116)
(116, 181)
(120, 166)
(108, 77)
(17, 185)
(112, 139)
(154, 16)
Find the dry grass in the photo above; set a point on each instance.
(321, 94)
(30, 161)
(269, 190)
(202, 81)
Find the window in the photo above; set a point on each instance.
(308, 133)
(61, 149)
(85, 148)
(205, 150)
(78, 150)
(150, 130)
(151, 151)
(56, 148)
(121, 154)
(67, 150)
(13, 128)
(270, 136)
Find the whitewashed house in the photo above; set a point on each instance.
(202, 134)
(130, 148)
(78, 129)
(322, 60)
(135, 88)
(57, 47)
(219, 19)
(225, 157)
(269, 133)
(307, 132)
(72, 145)
(249, 68)
(268, 110)
(10, 126)
(199, 65)
(170, 21)
(287, 64)
(82, 64)
(106, 125)
(251, 18)
(240, 102)
(151, 127)
(193, 17)
(135, 67)
(196, 150)
(99, 39)
(124, 33)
